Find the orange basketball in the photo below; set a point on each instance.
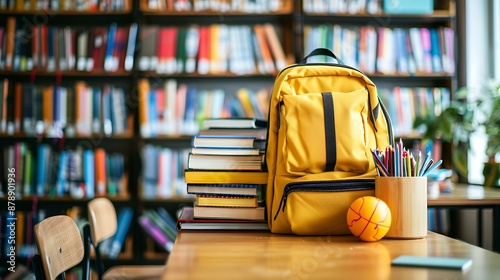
(369, 218)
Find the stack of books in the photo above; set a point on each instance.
(225, 173)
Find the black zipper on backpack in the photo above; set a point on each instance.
(324, 186)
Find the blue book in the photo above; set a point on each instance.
(57, 106)
(433, 262)
(153, 114)
(108, 59)
(62, 174)
(88, 173)
(167, 218)
(41, 168)
(96, 110)
(156, 233)
(435, 51)
(51, 59)
(124, 220)
(129, 57)
(150, 171)
(190, 124)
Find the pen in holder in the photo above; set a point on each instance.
(407, 199)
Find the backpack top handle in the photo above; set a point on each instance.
(321, 51)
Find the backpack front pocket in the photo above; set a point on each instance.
(321, 207)
(308, 132)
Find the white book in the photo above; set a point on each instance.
(165, 173)
(417, 48)
(170, 87)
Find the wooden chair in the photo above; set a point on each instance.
(60, 247)
(103, 223)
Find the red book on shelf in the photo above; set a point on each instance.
(44, 45)
(171, 51)
(99, 37)
(204, 50)
(162, 42)
(121, 46)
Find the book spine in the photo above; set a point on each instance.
(124, 221)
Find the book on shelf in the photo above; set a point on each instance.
(213, 141)
(223, 189)
(187, 221)
(124, 220)
(69, 48)
(225, 177)
(235, 213)
(233, 123)
(156, 233)
(159, 222)
(225, 162)
(226, 200)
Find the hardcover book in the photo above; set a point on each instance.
(258, 133)
(219, 141)
(233, 123)
(225, 162)
(225, 177)
(223, 189)
(225, 151)
(231, 213)
(187, 222)
(226, 200)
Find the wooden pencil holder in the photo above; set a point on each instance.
(407, 200)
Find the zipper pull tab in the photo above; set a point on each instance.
(282, 205)
(279, 113)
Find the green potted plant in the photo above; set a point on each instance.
(469, 112)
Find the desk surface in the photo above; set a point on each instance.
(262, 255)
(463, 195)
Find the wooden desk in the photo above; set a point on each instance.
(471, 196)
(263, 255)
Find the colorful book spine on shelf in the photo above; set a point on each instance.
(54, 48)
(158, 236)
(414, 50)
(58, 110)
(162, 174)
(174, 108)
(214, 49)
(406, 104)
(89, 173)
(161, 224)
(124, 220)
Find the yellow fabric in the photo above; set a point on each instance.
(296, 150)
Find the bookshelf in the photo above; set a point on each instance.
(155, 73)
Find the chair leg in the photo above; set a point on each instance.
(36, 265)
(99, 262)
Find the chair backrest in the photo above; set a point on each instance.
(102, 219)
(59, 244)
(103, 224)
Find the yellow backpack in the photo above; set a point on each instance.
(323, 120)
